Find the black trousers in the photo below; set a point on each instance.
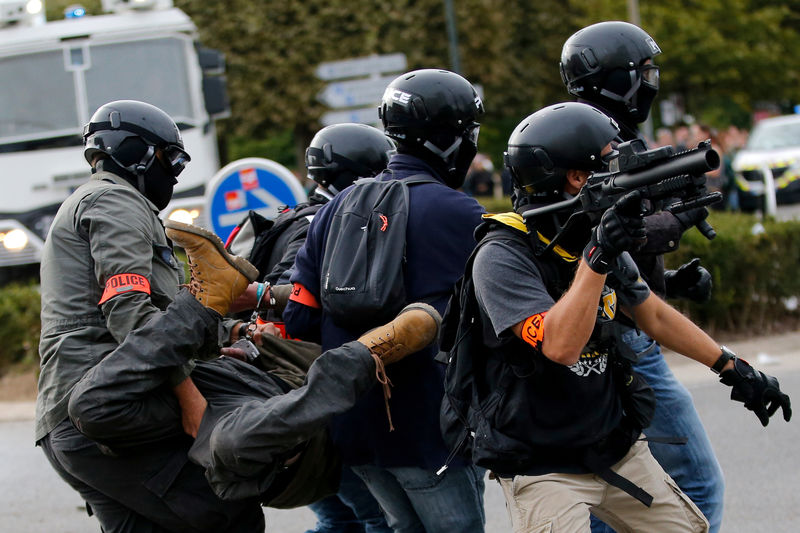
(125, 452)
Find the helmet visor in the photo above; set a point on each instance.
(472, 133)
(175, 158)
(649, 75)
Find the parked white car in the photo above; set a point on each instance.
(769, 163)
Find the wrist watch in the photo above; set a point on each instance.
(726, 356)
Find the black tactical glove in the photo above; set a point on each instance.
(690, 281)
(621, 229)
(690, 217)
(759, 392)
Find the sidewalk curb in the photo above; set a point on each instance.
(17, 411)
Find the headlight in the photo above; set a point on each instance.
(187, 216)
(33, 7)
(14, 240)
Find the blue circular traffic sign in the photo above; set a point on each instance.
(253, 183)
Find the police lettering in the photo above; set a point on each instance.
(122, 283)
(125, 281)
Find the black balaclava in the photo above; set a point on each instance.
(453, 167)
(159, 184)
(154, 181)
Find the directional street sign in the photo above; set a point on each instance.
(359, 92)
(361, 66)
(365, 115)
(248, 184)
(352, 93)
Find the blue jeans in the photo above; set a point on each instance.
(693, 466)
(416, 500)
(352, 510)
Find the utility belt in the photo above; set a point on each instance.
(597, 458)
(608, 451)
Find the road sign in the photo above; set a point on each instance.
(361, 66)
(365, 115)
(354, 93)
(248, 184)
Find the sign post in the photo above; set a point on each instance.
(349, 96)
(249, 184)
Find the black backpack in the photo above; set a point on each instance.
(256, 236)
(468, 401)
(362, 276)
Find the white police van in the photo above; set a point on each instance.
(53, 75)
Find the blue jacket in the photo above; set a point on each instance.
(439, 240)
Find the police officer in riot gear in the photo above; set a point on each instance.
(432, 115)
(107, 268)
(544, 325)
(341, 153)
(140, 143)
(336, 156)
(609, 65)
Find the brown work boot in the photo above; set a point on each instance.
(414, 328)
(218, 277)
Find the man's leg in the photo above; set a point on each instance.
(112, 515)
(554, 503)
(416, 499)
(693, 466)
(671, 509)
(238, 447)
(400, 513)
(125, 400)
(355, 494)
(333, 516)
(154, 491)
(352, 509)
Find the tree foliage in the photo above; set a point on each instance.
(720, 57)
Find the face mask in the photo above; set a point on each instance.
(158, 185)
(643, 100)
(467, 150)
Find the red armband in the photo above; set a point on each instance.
(533, 330)
(122, 283)
(303, 296)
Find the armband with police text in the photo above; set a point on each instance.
(533, 330)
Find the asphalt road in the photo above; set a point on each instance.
(761, 464)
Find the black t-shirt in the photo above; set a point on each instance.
(565, 406)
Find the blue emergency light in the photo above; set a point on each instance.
(74, 12)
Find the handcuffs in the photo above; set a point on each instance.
(248, 329)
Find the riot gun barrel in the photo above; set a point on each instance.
(693, 163)
(552, 208)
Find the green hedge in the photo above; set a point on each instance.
(19, 325)
(754, 266)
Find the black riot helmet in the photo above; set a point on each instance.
(433, 114)
(141, 143)
(341, 153)
(607, 64)
(555, 139)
